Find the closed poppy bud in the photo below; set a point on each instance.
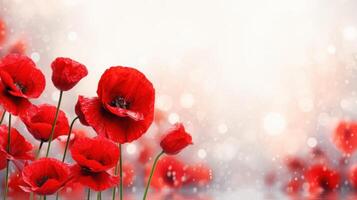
(175, 140)
(66, 73)
(45, 176)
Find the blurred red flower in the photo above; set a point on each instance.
(94, 157)
(321, 179)
(146, 151)
(2, 32)
(293, 186)
(19, 47)
(76, 134)
(352, 176)
(175, 140)
(45, 176)
(20, 80)
(66, 73)
(124, 108)
(39, 120)
(295, 164)
(15, 190)
(199, 174)
(169, 173)
(20, 149)
(72, 190)
(345, 137)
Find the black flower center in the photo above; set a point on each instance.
(170, 177)
(120, 102)
(324, 184)
(21, 87)
(86, 171)
(41, 181)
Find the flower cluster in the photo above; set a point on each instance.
(121, 113)
(318, 176)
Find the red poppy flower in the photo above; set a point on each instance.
(345, 137)
(15, 190)
(19, 47)
(2, 31)
(128, 174)
(66, 73)
(124, 108)
(175, 140)
(78, 110)
(322, 179)
(169, 172)
(72, 190)
(199, 174)
(20, 80)
(45, 176)
(20, 149)
(94, 157)
(39, 120)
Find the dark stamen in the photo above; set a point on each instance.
(41, 181)
(120, 102)
(20, 87)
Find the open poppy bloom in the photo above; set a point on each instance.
(20, 81)
(39, 120)
(66, 73)
(45, 176)
(94, 158)
(20, 149)
(175, 140)
(199, 174)
(169, 172)
(345, 137)
(124, 108)
(322, 179)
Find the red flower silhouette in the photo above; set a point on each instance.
(295, 164)
(20, 80)
(94, 157)
(175, 140)
(169, 172)
(19, 47)
(39, 120)
(124, 108)
(345, 137)
(322, 179)
(20, 149)
(66, 73)
(15, 190)
(199, 174)
(352, 176)
(45, 176)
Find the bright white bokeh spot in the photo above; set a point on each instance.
(331, 49)
(55, 96)
(174, 118)
(311, 142)
(349, 33)
(131, 148)
(35, 57)
(72, 36)
(202, 153)
(274, 123)
(306, 104)
(187, 100)
(222, 128)
(164, 102)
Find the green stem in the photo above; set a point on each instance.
(88, 194)
(115, 173)
(68, 137)
(99, 195)
(121, 172)
(7, 161)
(151, 174)
(54, 123)
(2, 117)
(39, 150)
